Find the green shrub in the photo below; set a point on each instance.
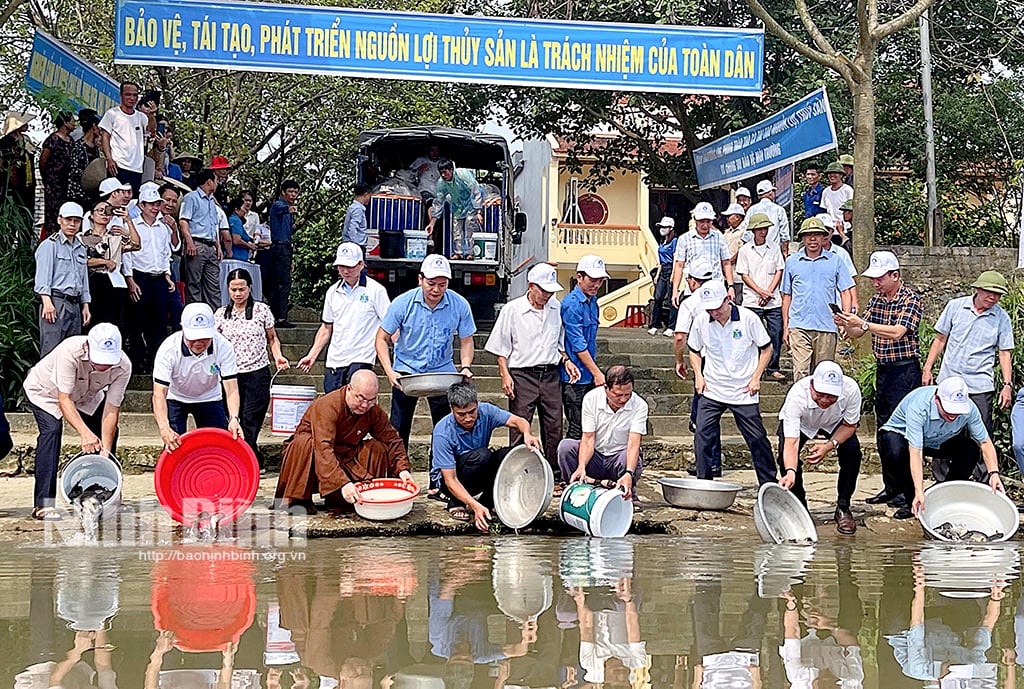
(19, 329)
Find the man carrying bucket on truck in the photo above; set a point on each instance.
(353, 309)
(614, 420)
(459, 189)
(188, 371)
(82, 381)
(459, 453)
(343, 437)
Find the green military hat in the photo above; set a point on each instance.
(992, 281)
(759, 220)
(811, 226)
(847, 205)
(835, 167)
(846, 159)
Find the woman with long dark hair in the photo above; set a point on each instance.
(105, 247)
(249, 326)
(61, 163)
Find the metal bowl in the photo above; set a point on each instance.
(522, 487)
(780, 518)
(699, 493)
(973, 505)
(428, 384)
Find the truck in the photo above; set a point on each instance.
(396, 242)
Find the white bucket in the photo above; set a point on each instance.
(287, 405)
(600, 512)
(485, 246)
(415, 244)
(87, 471)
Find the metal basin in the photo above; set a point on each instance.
(429, 384)
(973, 505)
(522, 487)
(699, 493)
(780, 518)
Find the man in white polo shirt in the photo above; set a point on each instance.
(188, 372)
(729, 350)
(825, 404)
(528, 340)
(356, 304)
(614, 420)
(82, 381)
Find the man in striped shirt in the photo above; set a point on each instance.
(705, 242)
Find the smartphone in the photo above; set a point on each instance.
(835, 309)
(161, 129)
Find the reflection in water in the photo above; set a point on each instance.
(566, 613)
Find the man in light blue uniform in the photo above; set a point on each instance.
(941, 422)
(354, 229)
(459, 453)
(459, 189)
(426, 319)
(62, 281)
(200, 228)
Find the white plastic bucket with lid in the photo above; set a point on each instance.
(416, 244)
(287, 405)
(85, 472)
(596, 511)
(485, 246)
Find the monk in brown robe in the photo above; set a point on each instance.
(344, 437)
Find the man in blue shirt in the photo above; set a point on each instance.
(812, 197)
(459, 453)
(200, 230)
(354, 229)
(941, 422)
(426, 319)
(580, 320)
(279, 278)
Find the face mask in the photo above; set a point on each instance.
(666, 231)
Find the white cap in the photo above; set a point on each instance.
(881, 263)
(149, 194)
(436, 266)
(104, 344)
(112, 184)
(764, 186)
(666, 222)
(703, 211)
(349, 255)
(197, 321)
(712, 295)
(826, 219)
(954, 395)
(70, 209)
(592, 265)
(828, 378)
(734, 209)
(543, 275)
(699, 269)
(743, 191)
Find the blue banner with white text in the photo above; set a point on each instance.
(433, 47)
(800, 131)
(52, 65)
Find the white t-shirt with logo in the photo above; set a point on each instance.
(730, 353)
(194, 378)
(355, 314)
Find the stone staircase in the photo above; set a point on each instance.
(668, 443)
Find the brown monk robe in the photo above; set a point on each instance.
(343, 437)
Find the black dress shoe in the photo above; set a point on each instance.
(898, 501)
(715, 473)
(903, 513)
(880, 497)
(284, 324)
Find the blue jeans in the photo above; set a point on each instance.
(663, 314)
(772, 319)
(1017, 426)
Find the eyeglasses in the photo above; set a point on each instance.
(368, 400)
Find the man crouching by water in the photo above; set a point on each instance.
(343, 437)
(460, 456)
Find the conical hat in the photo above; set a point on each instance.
(15, 120)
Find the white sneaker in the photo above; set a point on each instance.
(652, 331)
(669, 332)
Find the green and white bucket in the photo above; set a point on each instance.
(600, 512)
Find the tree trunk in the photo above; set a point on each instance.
(863, 177)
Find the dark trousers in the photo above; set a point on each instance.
(961, 454)
(663, 314)
(68, 323)
(572, 405)
(849, 455)
(600, 467)
(403, 408)
(476, 470)
(158, 308)
(772, 319)
(202, 275)
(716, 444)
(748, 420)
(130, 177)
(48, 443)
(6, 442)
(984, 401)
(893, 382)
(254, 400)
(107, 305)
(539, 388)
(206, 415)
(335, 378)
(280, 279)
